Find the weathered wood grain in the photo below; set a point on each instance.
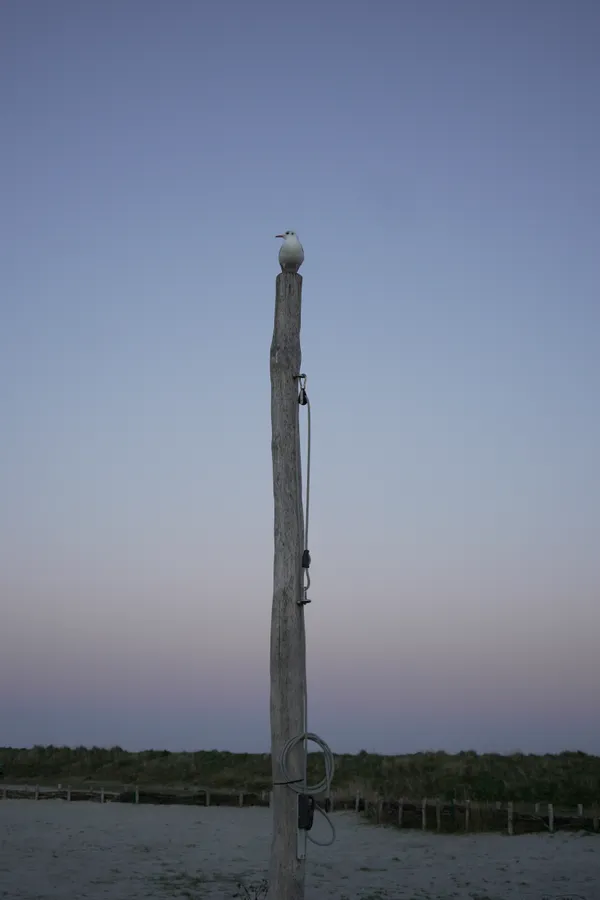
(288, 649)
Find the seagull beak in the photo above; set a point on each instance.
(280, 235)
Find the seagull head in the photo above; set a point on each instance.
(289, 235)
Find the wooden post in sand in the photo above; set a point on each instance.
(288, 654)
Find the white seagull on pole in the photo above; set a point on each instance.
(291, 254)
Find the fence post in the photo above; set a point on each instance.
(137, 794)
(510, 817)
(537, 809)
(467, 814)
(68, 793)
(438, 814)
(207, 798)
(424, 813)
(379, 809)
(551, 817)
(400, 811)
(580, 810)
(357, 802)
(102, 795)
(241, 799)
(37, 792)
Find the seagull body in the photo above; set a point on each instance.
(291, 254)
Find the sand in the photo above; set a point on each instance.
(53, 850)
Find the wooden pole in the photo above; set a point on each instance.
(288, 655)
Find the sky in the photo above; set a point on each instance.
(439, 162)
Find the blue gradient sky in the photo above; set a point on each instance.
(440, 163)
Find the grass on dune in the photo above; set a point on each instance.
(569, 778)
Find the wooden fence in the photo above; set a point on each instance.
(426, 813)
(471, 816)
(136, 794)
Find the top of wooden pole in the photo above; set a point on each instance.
(285, 346)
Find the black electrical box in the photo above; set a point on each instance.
(306, 811)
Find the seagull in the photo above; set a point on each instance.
(291, 254)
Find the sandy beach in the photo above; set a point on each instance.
(52, 850)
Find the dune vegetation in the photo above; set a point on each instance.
(565, 778)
